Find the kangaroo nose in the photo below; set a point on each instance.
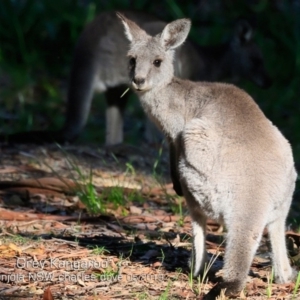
(139, 80)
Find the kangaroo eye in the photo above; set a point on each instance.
(132, 62)
(157, 63)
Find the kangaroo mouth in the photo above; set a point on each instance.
(140, 89)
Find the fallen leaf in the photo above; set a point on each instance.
(135, 210)
(47, 294)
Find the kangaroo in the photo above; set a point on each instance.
(99, 64)
(227, 159)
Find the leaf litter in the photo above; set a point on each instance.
(52, 248)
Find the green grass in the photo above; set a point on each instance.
(143, 296)
(270, 278)
(99, 250)
(96, 203)
(202, 278)
(16, 239)
(296, 288)
(165, 294)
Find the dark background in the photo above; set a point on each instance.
(37, 38)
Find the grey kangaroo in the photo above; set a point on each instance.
(227, 159)
(99, 64)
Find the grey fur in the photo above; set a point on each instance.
(99, 64)
(227, 159)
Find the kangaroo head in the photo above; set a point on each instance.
(247, 56)
(151, 57)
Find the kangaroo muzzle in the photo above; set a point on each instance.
(138, 83)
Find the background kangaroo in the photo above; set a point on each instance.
(99, 64)
(228, 160)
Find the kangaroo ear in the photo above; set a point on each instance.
(243, 31)
(175, 33)
(132, 30)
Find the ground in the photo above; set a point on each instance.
(134, 243)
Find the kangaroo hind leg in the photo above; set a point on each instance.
(242, 242)
(282, 269)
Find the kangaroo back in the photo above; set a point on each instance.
(227, 159)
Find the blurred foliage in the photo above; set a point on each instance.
(37, 38)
